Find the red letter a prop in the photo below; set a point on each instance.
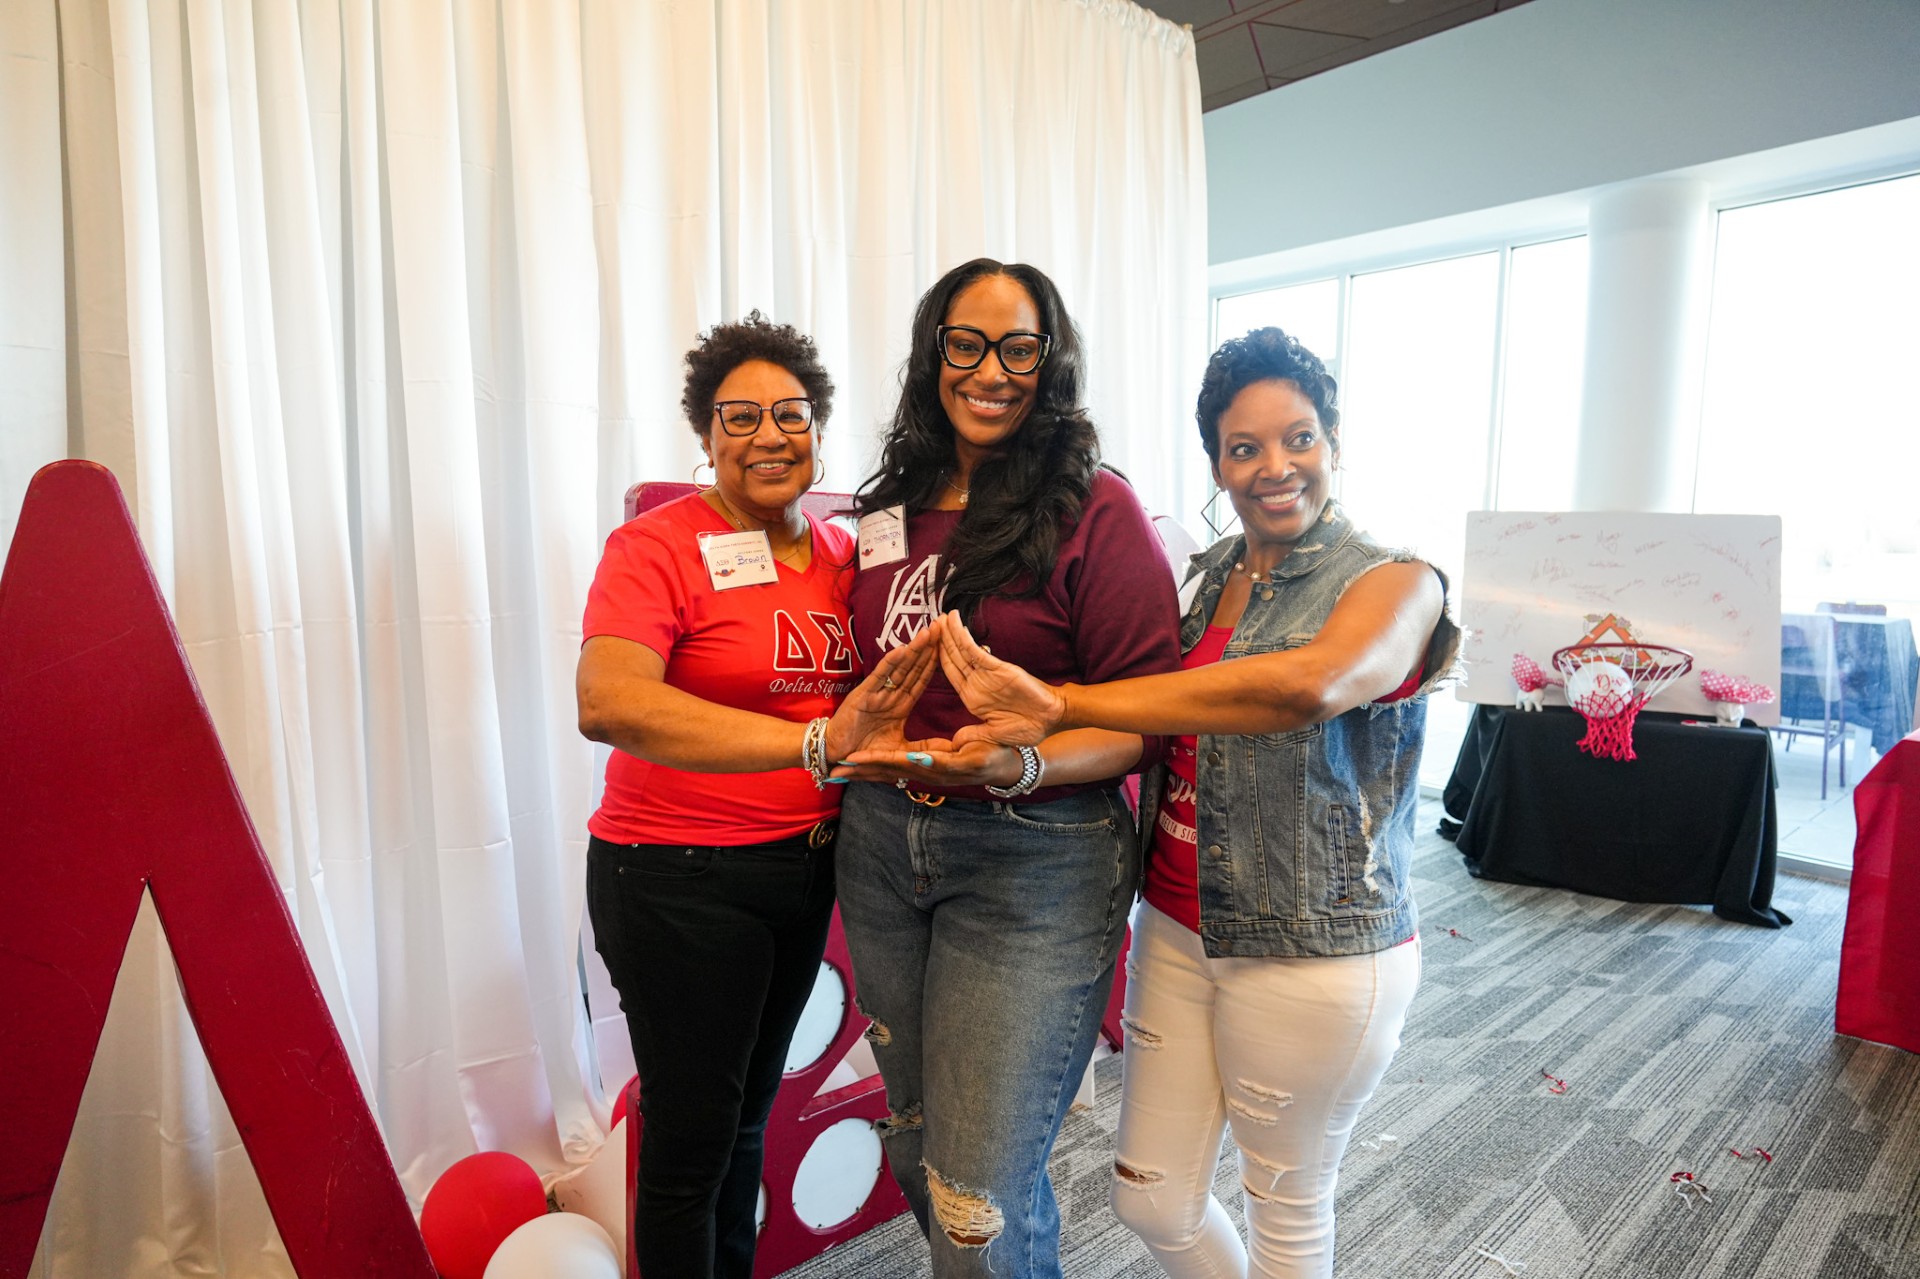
(113, 783)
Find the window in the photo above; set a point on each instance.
(1310, 312)
(1808, 406)
(1419, 351)
(1546, 340)
(1418, 402)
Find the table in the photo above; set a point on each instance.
(1690, 821)
(1880, 667)
(1880, 953)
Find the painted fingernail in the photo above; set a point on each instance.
(838, 781)
(843, 763)
(921, 758)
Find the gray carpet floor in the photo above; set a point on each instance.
(1679, 1036)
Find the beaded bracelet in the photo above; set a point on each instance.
(1031, 767)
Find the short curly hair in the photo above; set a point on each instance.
(1261, 356)
(725, 347)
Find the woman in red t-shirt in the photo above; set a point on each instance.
(716, 650)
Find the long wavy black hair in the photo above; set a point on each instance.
(1023, 500)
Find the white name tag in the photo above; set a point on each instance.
(738, 559)
(883, 536)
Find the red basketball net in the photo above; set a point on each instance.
(1610, 713)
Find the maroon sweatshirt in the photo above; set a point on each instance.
(1107, 613)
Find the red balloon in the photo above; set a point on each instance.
(620, 1103)
(475, 1205)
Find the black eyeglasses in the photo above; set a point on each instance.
(964, 348)
(742, 417)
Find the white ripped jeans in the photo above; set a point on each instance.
(1287, 1051)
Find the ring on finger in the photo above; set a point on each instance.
(900, 782)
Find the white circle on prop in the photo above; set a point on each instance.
(1599, 688)
(598, 1189)
(837, 1175)
(559, 1245)
(820, 1021)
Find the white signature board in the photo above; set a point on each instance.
(1537, 581)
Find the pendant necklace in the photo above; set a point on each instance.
(948, 478)
(793, 548)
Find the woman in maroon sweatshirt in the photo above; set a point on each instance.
(985, 891)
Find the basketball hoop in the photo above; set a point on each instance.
(1609, 682)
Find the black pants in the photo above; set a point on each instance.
(714, 952)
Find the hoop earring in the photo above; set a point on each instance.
(696, 475)
(1210, 513)
(819, 472)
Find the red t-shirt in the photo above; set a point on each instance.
(778, 648)
(1173, 866)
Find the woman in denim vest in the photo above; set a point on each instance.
(1275, 952)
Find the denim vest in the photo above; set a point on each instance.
(1305, 837)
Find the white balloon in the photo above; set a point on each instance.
(597, 1190)
(559, 1245)
(1593, 688)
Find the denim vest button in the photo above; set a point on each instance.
(1213, 757)
(1214, 850)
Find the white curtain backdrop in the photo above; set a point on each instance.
(375, 309)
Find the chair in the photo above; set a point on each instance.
(1809, 650)
(1861, 651)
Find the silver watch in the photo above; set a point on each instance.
(1030, 770)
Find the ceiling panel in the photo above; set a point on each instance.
(1228, 60)
(1364, 18)
(1282, 48)
(1249, 46)
(1193, 13)
(1393, 39)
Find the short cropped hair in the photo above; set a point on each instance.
(1261, 356)
(725, 347)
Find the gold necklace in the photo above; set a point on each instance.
(793, 548)
(964, 493)
(1241, 567)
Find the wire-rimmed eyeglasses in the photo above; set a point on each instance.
(964, 347)
(742, 417)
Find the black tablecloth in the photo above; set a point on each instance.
(1879, 667)
(1690, 821)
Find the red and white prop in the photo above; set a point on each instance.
(1609, 682)
(113, 785)
(1710, 583)
(824, 1179)
(1531, 682)
(1732, 694)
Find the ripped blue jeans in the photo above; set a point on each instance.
(983, 938)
